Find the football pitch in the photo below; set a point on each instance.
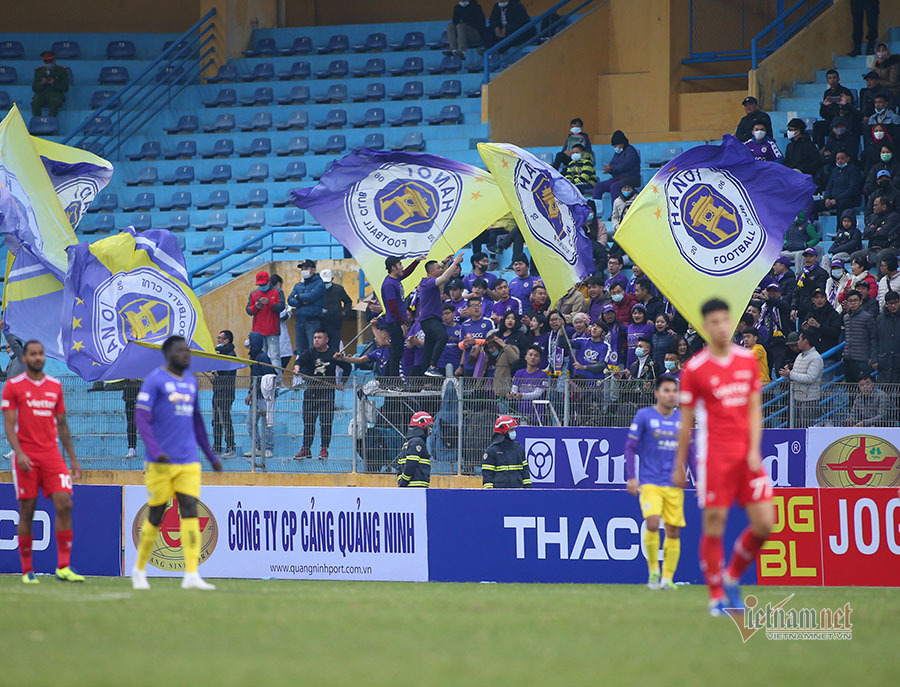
(372, 633)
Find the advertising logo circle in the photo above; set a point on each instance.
(167, 553)
(859, 460)
(540, 460)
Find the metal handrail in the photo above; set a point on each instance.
(784, 33)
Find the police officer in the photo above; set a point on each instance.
(504, 465)
(50, 84)
(415, 461)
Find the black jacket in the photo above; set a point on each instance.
(788, 284)
(802, 154)
(471, 14)
(832, 110)
(871, 182)
(415, 461)
(744, 131)
(516, 17)
(807, 283)
(504, 465)
(829, 329)
(321, 366)
(845, 185)
(882, 230)
(337, 304)
(887, 344)
(846, 240)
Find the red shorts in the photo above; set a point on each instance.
(48, 471)
(722, 484)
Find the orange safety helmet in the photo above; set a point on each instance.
(504, 424)
(421, 419)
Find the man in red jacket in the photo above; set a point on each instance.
(263, 306)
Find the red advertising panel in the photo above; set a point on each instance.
(793, 553)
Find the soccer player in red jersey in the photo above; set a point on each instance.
(33, 413)
(720, 388)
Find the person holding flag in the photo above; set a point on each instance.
(430, 307)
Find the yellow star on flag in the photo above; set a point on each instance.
(77, 345)
(79, 301)
(76, 322)
(653, 188)
(476, 195)
(658, 213)
(505, 163)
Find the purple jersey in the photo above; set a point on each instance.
(451, 353)
(379, 359)
(428, 299)
(470, 278)
(392, 290)
(635, 332)
(171, 401)
(595, 311)
(413, 357)
(478, 329)
(765, 150)
(459, 306)
(656, 437)
(521, 287)
(590, 352)
(502, 307)
(532, 385)
(620, 278)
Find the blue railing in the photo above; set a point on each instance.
(784, 32)
(147, 94)
(533, 33)
(779, 406)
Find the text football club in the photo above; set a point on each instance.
(402, 209)
(550, 221)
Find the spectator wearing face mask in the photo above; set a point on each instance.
(812, 277)
(841, 140)
(837, 283)
(623, 167)
(876, 137)
(580, 170)
(888, 68)
(51, 81)
(844, 187)
(761, 144)
(886, 162)
(887, 340)
(832, 99)
(801, 153)
(622, 302)
(867, 95)
(466, 29)
(883, 189)
(336, 306)
(264, 306)
(621, 204)
(753, 115)
(883, 114)
(576, 136)
(882, 227)
(308, 298)
(507, 17)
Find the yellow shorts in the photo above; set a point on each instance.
(164, 480)
(665, 501)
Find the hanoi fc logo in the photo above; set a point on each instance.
(76, 195)
(712, 220)
(859, 461)
(167, 554)
(550, 221)
(402, 209)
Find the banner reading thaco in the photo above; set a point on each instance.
(317, 533)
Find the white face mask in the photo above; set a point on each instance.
(576, 157)
(617, 149)
(575, 130)
(640, 351)
(511, 434)
(878, 135)
(247, 343)
(759, 134)
(503, 4)
(304, 274)
(837, 274)
(464, 4)
(791, 134)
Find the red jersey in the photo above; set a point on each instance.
(719, 391)
(38, 403)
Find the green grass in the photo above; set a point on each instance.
(369, 633)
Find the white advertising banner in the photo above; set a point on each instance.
(318, 533)
(852, 457)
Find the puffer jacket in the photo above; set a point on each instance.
(415, 461)
(504, 465)
(887, 345)
(847, 240)
(308, 297)
(859, 336)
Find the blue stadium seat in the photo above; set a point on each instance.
(477, 65)
(226, 97)
(146, 177)
(338, 42)
(222, 122)
(373, 142)
(336, 93)
(223, 147)
(297, 95)
(258, 171)
(183, 150)
(292, 217)
(474, 92)
(254, 247)
(265, 71)
(217, 199)
(8, 75)
(298, 119)
(441, 43)
(98, 125)
(292, 240)
(5, 101)
(252, 218)
(664, 156)
(150, 150)
(179, 221)
(449, 114)
(187, 124)
(412, 90)
(258, 146)
(181, 51)
(372, 68)
(227, 73)
(11, 50)
(334, 119)
(141, 221)
(295, 171)
(265, 47)
(113, 75)
(302, 45)
(99, 98)
(261, 121)
(171, 74)
(104, 224)
(414, 40)
(261, 96)
(452, 88)
(337, 69)
(219, 174)
(297, 145)
(217, 219)
(374, 116)
(298, 71)
(182, 240)
(411, 115)
(334, 144)
(66, 50)
(180, 200)
(451, 64)
(373, 91)
(412, 140)
(412, 66)
(183, 174)
(142, 201)
(285, 200)
(120, 50)
(105, 202)
(212, 243)
(374, 42)
(258, 197)
(43, 126)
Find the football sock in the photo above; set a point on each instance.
(25, 544)
(746, 548)
(190, 543)
(63, 548)
(671, 553)
(148, 536)
(711, 556)
(651, 543)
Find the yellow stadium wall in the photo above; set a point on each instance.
(98, 16)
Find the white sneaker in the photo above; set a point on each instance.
(194, 581)
(139, 579)
(131, 453)
(269, 453)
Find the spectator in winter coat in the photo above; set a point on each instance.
(837, 283)
(621, 204)
(644, 293)
(884, 188)
(622, 302)
(801, 153)
(882, 227)
(842, 139)
(832, 99)
(336, 306)
(887, 340)
(867, 95)
(811, 278)
(888, 68)
(762, 146)
(891, 279)
(869, 304)
(576, 136)
(844, 186)
(883, 114)
(663, 339)
(752, 116)
(308, 297)
(822, 322)
(775, 318)
(507, 17)
(859, 273)
(859, 338)
(874, 138)
(466, 29)
(805, 374)
(800, 235)
(580, 170)
(872, 407)
(625, 165)
(784, 276)
(848, 238)
(264, 306)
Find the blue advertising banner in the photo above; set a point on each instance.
(96, 524)
(552, 536)
(594, 457)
